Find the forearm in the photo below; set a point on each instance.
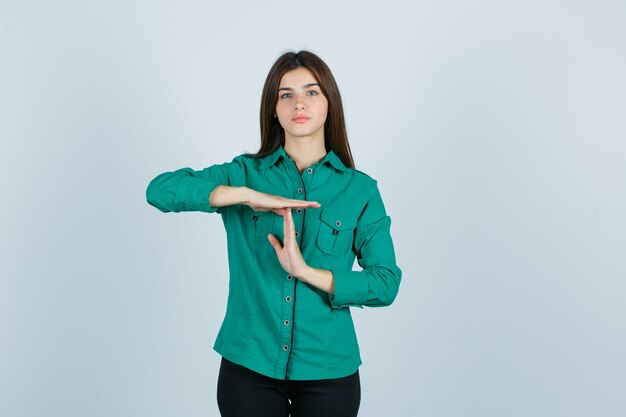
(182, 190)
(225, 195)
(319, 278)
(374, 286)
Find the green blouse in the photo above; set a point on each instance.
(275, 324)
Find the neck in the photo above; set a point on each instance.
(305, 151)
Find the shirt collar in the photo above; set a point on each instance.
(271, 159)
(331, 158)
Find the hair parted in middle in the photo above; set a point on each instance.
(273, 134)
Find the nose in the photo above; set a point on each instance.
(299, 104)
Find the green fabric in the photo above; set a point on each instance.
(280, 327)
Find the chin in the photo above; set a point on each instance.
(305, 131)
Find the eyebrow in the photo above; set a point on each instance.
(304, 86)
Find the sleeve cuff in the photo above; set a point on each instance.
(351, 289)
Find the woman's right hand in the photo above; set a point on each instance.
(259, 201)
(224, 195)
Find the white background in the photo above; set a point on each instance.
(495, 129)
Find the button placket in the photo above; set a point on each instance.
(300, 195)
(286, 319)
(290, 284)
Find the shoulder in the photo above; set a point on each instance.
(248, 159)
(243, 161)
(363, 178)
(244, 157)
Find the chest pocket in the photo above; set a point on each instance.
(257, 224)
(336, 232)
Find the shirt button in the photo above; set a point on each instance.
(285, 348)
(309, 170)
(299, 211)
(289, 277)
(286, 322)
(288, 299)
(299, 190)
(338, 223)
(297, 234)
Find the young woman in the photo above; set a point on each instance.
(296, 214)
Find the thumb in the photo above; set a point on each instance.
(274, 242)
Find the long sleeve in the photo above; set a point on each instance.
(188, 190)
(377, 284)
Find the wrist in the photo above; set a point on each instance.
(304, 273)
(319, 278)
(245, 195)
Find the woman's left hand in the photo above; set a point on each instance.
(289, 254)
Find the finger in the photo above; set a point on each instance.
(289, 218)
(299, 203)
(292, 228)
(284, 202)
(293, 242)
(279, 211)
(290, 233)
(287, 202)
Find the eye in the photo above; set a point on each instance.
(285, 95)
(312, 93)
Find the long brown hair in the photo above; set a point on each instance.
(273, 134)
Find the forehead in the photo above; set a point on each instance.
(297, 78)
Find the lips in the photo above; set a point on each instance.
(300, 119)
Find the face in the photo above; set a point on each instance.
(301, 108)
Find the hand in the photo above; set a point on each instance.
(291, 259)
(259, 201)
(289, 254)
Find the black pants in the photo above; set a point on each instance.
(245, 393)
